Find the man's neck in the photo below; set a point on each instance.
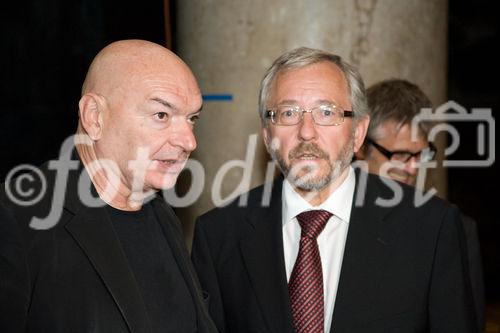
(110, 187)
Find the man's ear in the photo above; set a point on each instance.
(361, 153)
(360, 129)
(265, 135)
(90, 110)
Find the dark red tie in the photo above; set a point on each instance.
(306, 282)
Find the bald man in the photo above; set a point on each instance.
(99, 250)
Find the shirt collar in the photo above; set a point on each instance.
(339, 203)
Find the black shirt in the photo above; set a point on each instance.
(168, 301)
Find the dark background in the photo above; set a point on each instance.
(48, 45)
(473, 68)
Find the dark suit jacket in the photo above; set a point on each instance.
(403, 269)
(75, 277)
(475, 268)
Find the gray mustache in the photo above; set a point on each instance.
(307, 148)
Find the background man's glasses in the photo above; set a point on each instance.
(324, 115)
(425, 155)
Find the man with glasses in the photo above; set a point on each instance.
(304, 253)
(389, 144)
(390, 151)
(405, 158)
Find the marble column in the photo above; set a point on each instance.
(229, 45)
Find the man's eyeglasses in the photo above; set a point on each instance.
(324, 115)
(425, 155)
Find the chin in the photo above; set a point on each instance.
(412, 182)
(313, 180)
(404, 180)
(163, 182)
(316, 184)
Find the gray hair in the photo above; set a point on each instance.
(395, 100)
(302, 57)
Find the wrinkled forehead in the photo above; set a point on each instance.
(155, 70)
(123, 64)
(319, 78)
(163, 80)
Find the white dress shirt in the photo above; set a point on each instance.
(331, 241)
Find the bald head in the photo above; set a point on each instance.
(124, 62)
(138, 100)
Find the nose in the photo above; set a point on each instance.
(182, 135)
(307, 129)
(411, 166)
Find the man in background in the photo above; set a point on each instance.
(391, 152)
(99, 250)
(392, 105)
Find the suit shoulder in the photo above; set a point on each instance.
(396, 196)
(237, 209)
(33, 195)
(386, 187)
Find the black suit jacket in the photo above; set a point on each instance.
(403, 269)
(475, 269)
(74, 277)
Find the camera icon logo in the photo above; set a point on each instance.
(452, 112)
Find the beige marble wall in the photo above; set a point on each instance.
(229, 45)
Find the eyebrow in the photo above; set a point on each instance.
(288, 102)
(171, 106)
(163, 102)
(327, 101)
(294, 102)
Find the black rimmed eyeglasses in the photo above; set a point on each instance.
(425, 155)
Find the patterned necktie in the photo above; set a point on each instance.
(306, 282)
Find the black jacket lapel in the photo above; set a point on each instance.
(367, 246)
(173, 234)
(93, 231)
(262, 250)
